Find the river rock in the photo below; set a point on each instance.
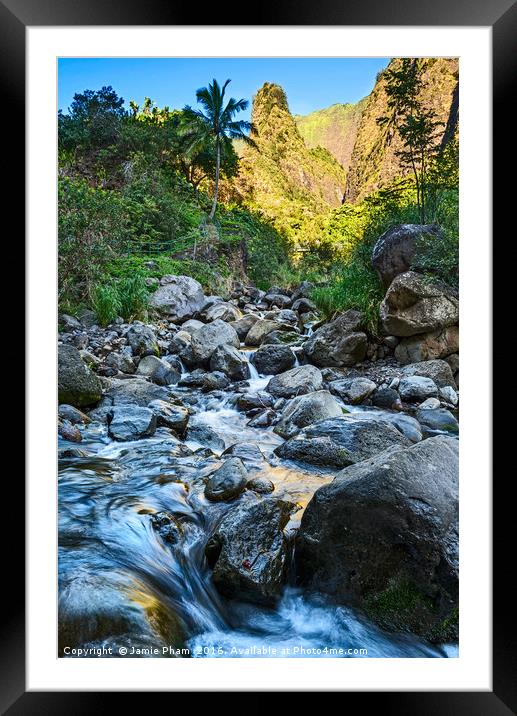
(181, 346)
(205, 436)
(178, 297)
(134, 391)
(174, 417)
(387, 398)
(263, 420)
(283, 316)
(339, 343)
(384, 535)
(260, 485)
(305, 410)
(449, 395)
(304, 305)
(454, 362)
(142, 340)
(283, 338)
(243, 325)
(297, 381)
(158, 371)
(430, 403)
(200, 378)
(415, 388)
(212, 335)
(340, 441)
(437, 370)
(250, 454)
(251, 401)
(271, 359)
(404, 423)
(352, 390)
(123, 362)
(223, 311)
(394, 251)
(437, 344)
(131, 422)
(168, 527)
(415, 305)
(261, 328)
(77, 385)
(440, 420)
(72, 415)
(69, 432)
(277, 299)
(191, 325)
(230, 361)
(249, 552)
(227, 482)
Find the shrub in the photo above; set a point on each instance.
(93, 226)
(439, 260)
(133, 296)
(106, 303)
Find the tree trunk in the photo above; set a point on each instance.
(216, 190)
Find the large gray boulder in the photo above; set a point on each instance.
(131, 422)
(297, 381)
(76, 383)
(305, 410)
(415, 305)
(338, 344)
(205, 340)
(142, 340)
(394, 251)
(428, 346)
(249, 553)
(273, 359)
(227, 482)
(178, 297)
(341, 441)
(158, 371)
(384, 536)
(230, 361)
(438, 370)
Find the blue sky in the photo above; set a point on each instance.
(310, 83)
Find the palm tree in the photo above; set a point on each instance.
(214, 127)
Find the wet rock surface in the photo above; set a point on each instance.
(354, 541)
(249, 551)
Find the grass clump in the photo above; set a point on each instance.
(106, 304)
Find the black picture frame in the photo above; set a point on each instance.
(501, 15)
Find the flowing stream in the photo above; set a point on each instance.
(122, 586)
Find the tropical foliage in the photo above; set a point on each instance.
(146, 191)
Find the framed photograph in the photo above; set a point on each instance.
(248, 249)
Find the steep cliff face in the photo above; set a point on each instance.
(334, 128)
(282, 176)
(374, 162)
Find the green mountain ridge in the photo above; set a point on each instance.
(281, 176)
(334, 128)
(374, 162)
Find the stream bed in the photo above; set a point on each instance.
(124, 590)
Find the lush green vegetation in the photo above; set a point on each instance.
(138, 198)
(135, 192)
